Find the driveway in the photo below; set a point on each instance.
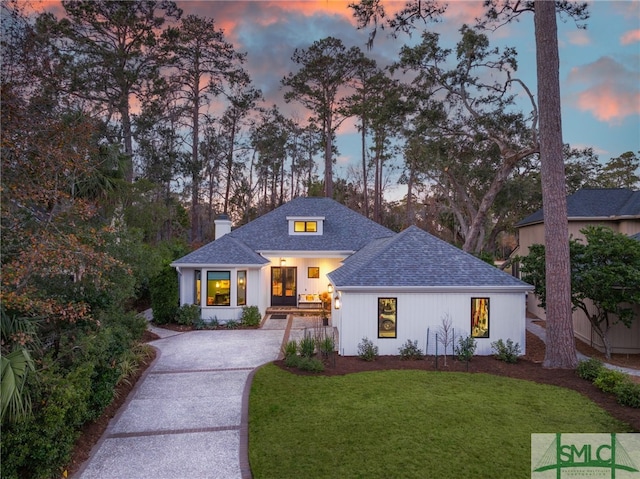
(187, 416)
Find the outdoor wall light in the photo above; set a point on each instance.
(283, 261)
(330, 288)
(337, 302)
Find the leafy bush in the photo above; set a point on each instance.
(326, 345)
(508, 352)
(290, 349)
(188, 314)
(214, 323)
(410, 350)
(292, 360)
(232, 324)
(628, 393)
(310, 364)
(608, 379)
(307, 346)
(250, 316)
(367, 350)
(164, 295)
(589, 369)
(466, 348)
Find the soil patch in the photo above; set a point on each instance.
(529, 368)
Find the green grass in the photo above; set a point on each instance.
(407, 424)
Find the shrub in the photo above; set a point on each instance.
(367, 350)
(290, 349)
(250, 316)
(214, 323)
(608, 379)
(466, 348)
(188, 314)
(589, 369)
(628, 393)
(292, 361)
(410, 350)
(326, 345)
(232, 324)
(310, 364)
(307, 346)
(508, 352)
(164, 295)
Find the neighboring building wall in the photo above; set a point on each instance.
(625, 340)
(417, 312)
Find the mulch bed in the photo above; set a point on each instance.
(529, 367)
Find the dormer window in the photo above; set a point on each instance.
(301, 225)
(305, 226)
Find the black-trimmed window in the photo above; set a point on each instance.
(197, 283)
(218, 288)
(387, 317)
(479, 317)
(242, 288)
(305, 226)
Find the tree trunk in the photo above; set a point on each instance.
(195, 173)
(365, 194)
(328, 160)
(227, 191)
(560, 347)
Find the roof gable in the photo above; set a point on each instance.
(343, 230)
(596, 203)
(415, 258)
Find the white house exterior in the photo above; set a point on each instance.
(389, 287)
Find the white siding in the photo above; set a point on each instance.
(417, 312)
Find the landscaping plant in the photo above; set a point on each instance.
(410, 350)
(466, 348)
(508, 352)
(367, 350)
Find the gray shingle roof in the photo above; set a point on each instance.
(415, 258)
(224, 250)
(596, 203)
(344, 230)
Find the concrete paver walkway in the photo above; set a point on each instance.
(184, 418)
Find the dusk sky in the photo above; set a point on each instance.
(600, 66)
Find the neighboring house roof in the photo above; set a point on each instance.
(636, 236)
(344, 231)
(415, 258)
(606, 203)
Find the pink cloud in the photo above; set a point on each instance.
(608, 103)
(610, 90)
(632, 36)
(579, 37)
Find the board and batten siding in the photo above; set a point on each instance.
(419, 312)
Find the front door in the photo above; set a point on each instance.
(283, 286)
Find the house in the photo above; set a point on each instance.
(615, 208)
(389, 287)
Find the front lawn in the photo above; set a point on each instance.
(408, 424)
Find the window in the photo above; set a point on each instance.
(197, 294)
(313, 272)
(479, 317)
(218, 288)
(387, 315)
(242, 288)
(305, 226)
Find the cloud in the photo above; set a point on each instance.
(612, 92)
(632, 36)
(579, 37)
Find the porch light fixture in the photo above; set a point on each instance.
(330, 288)
(337, 302)
(283, 261)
